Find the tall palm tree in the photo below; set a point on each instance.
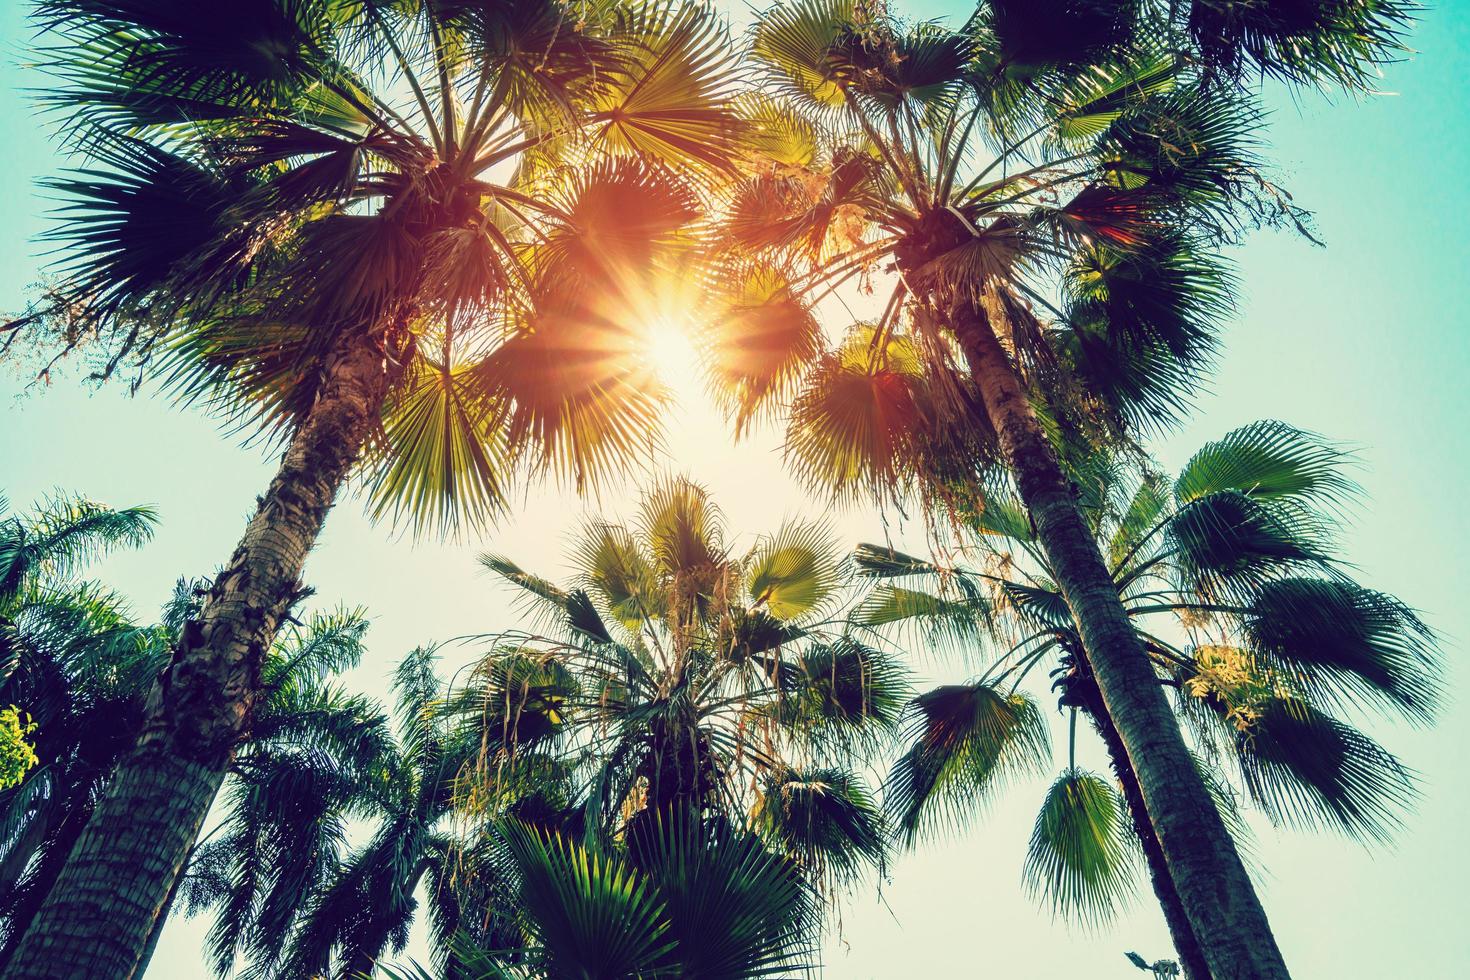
(988, 191)
(674, 679)
(683, 675)
(64, 643)
(1229, 574)
(84, 676)
(392, 234)
(290, 895)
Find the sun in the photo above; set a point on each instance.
(668, 349)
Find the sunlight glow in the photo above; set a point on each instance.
(669, 351)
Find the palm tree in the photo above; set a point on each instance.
(396, 237)
(40, 555)
(657, 690)
(56, 630)
(682, 675)
(288, 893)
(84, 676)
(1049, 220)
(1229, 575)
(681, 898)
(1116, 138)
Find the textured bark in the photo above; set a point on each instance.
(1211, 880)
(1191, 956)
(97, 921)
(160, 921)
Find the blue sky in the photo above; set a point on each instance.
(1366, 340)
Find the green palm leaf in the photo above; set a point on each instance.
(64, 533)
(1317, 41)
(1342, 643)
(1081, 856)
(1142, 322)
(1268, 461)
(858, 410)
(823, 817)
(734, 908)
(618, 572)
(794, 41)
(592, 915)
(953, 623)
(1229, 541)
(964, 740)
(684, 530)
(442, 461)
(794, 572)
(1307, 768)
(670, 100)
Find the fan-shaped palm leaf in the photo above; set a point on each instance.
(794, 572)
(1081, 853)
(1305, 767)
(963, 740)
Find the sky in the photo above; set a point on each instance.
(1366, 340)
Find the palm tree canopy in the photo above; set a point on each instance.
(80, 667)
(58, 538)
(1229, 572)
(680, 898)
(450, 182)
(1091, 199)
(677, 671)
(334, 817)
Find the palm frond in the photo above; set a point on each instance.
(825, 818)
(793, 41)
(1269, 460)
(878, 561)
(329, 643)
(1341, 643)
(1306, 768)
(734, 908)
(616, 569)
(591, 914)
(1081, 858)
(857, 413)
(794, 572)
(761, 338)
(1228, 541)
(963, 741)
(1140, 518)
(1142, 323)
(1334, 41)
(63, 533)
(683, 528)
(442, 460)
(844, 692)
(959, 623)
(670, 99)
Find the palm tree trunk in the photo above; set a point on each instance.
(1212, 882)
(97, 921)
(1191, 956)
(160, 922)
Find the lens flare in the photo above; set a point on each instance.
(669, 352)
